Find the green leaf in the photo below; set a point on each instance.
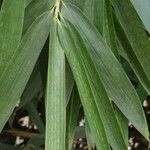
(109, 29)
(72, 117)
(131, 57)
(114, 79)
(32, 88)
(80, 133)
(86, 95)
(11, 22)
(78, 3)
(123, 123)
(100, 14)
(34, 10)
(18, 71)
(34, 115)
(89, 137)
(141, 92)
(139, 42)
(111, 39)
(69, 82)
(56, 94)
(88, 83)
(28, 2)
(94, 10)
(142, 8)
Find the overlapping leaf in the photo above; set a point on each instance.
(18, 71)
(137, 38)
(94, 10)
(113, 77)
(88, 82)
(142, 8)
(78, 3)
(72, 117)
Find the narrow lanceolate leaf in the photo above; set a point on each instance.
(142, 8)
(88, 83)
(55, 98)
(109, 28)
(11, 22)
(110, 37)
(131, 58)
(17, 73)
(83, 87)
(114, 79)
(99, 12)
(136, 36)
(94, 10)
(123, 123)
(72, 113)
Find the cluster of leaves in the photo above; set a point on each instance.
(60, 56)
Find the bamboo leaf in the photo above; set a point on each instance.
(18, 71)
(141, 92)
(88, 83)
(69, 82)
(110, 37)
(142, 8)
(72, 117)
(100, 14)
(89, 137)
(114, 79)
(131, 57)
(78, 3)
(32, 88)
(94, 10)
(83, 87)
(123, 124)
(11, 22)
(28, 2)
(139, 42)
(34, 10)
(55, 96)
(109, 29)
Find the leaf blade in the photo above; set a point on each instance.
(142, 8)
(55, 96)
(135, 33)
(114, 79)
(86, 69)
(11, 23)
(17, 73)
